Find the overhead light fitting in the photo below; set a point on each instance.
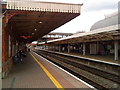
(35, 29)
(40, 22)
(33, 33)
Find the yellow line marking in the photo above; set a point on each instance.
(56, 83)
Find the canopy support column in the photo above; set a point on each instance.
(84, 49)
(68, 48)
(116, 49)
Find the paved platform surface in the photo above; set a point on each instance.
(27, 75)
(107, 58)
(31, 75)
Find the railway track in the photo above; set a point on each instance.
(96, 77)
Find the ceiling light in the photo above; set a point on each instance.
(40, 22)
(33, 33)
(35, 29)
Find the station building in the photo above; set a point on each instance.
(26, 21)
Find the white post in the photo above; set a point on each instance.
(116, 49)
(68, 48)
(84, 48)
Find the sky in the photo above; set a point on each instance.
(91, 12)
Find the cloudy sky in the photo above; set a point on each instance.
(91, 12)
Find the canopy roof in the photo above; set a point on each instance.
(108, 21)
(101, 34)
(31, 20)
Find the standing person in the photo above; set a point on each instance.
(28, 49)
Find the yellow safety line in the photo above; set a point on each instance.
(56, 83)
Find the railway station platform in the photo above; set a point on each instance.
(106, 58)
(22, 23)
(37, 72)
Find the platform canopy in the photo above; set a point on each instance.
(101, 34)
(31, 20)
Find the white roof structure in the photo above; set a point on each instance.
(101, 34)
(107, 29)
(108, 21)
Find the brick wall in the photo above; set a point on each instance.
(6, 60)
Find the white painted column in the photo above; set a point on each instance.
(116, 49)
(9, 46)
(84, 48)
(63, 48)
(68, 48)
